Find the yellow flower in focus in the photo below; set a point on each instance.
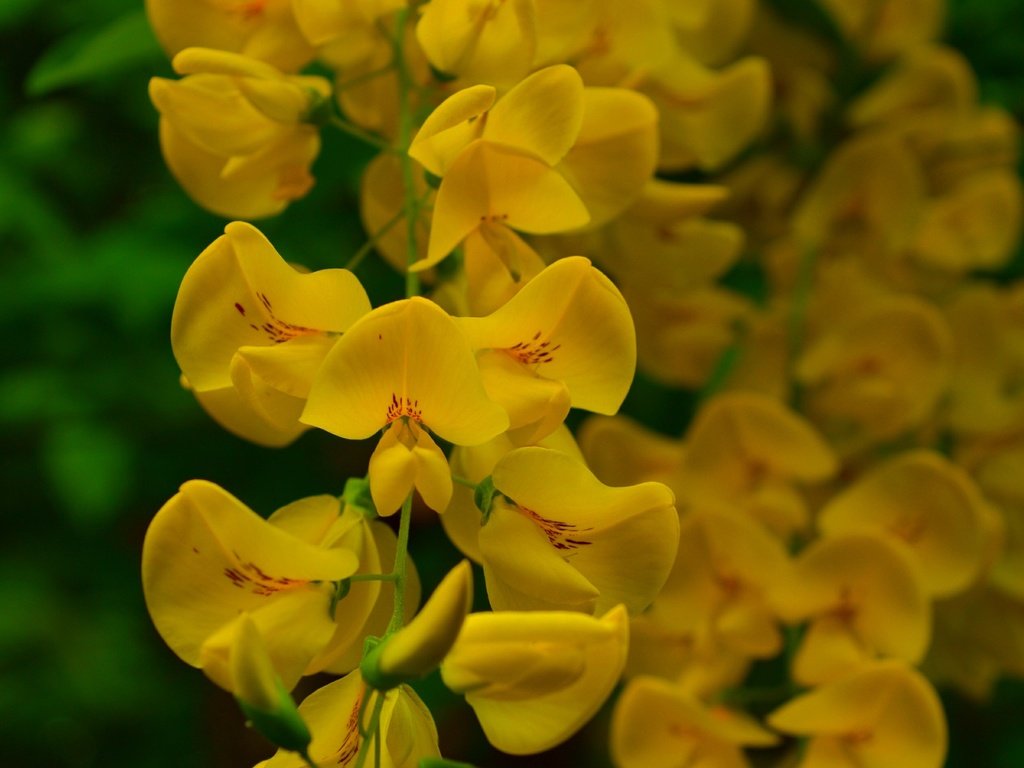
(249, 332)
(657, 725)
(534, 679)
(209, 564)
(566, 339)
(407, 730)
(557, 538)
(884, 714)
(235, 131)
(462, 519)
(925, 503)
(407, 367)
(261, 29)
(863, 599)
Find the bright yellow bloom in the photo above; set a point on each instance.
(249, 332)
(884, 714)
(493, 41)
(557, 538)
(349, 24)
(566, 339)
(924, 503)
(209, 562)
(407, 730)
(405, 366)
(462, 519)
(657, 725)
(366, 608)
(262, 29)
(750, 451)
(234, 131)
(863, 599)
(536, 678)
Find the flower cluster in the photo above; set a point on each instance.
(841, 509)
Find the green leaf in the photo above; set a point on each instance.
(124, 44)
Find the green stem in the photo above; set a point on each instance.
(359, 79)
(398, 614)
(464, 481)
(372, 577)
(355, 131)
(372, 731)
(369, 245)
(405, 126)
(308, 760)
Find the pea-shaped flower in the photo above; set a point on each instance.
(534, 679)
(883, 714)
(407, 731)
(558, 538)
(210, 564)
(235, 131)
(566, 339)
(249, 332)
(262, 29)
(658, 725)
(405, 367)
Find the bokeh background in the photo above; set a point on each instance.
(96, 433)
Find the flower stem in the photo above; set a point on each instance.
(372, 731)
(398, 614)
(464, 481)
(356, 132)
(405, 126)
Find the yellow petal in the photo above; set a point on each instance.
(536, 406)
(498, 264)
(206, 557)
(488, 182)
(266, 31)
(542, 115)
(595, 528)
(528, 715)
(570, 324)
(885, 714)
(451, 127)
(392, 470)
(925, 503)
(233, 411)
(616, 152)
(403, 359)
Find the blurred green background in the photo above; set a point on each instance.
(96, 433)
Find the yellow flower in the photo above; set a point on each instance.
(886, 29)
(366, 608)
(536, 678)
(234, 131)
(262, 29)
(462, 519)
(883, 714)
(716, 597)
(863, 599)
(657, 725)
(557, 538)
(382, 199)
(620, 451)
(750, 451)
(924, 503)
(565, 339)
(407, 730)
(249, 332)
(209, 564)
(405, 366)
(482, 42)
(348, 23)
(418, 648)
